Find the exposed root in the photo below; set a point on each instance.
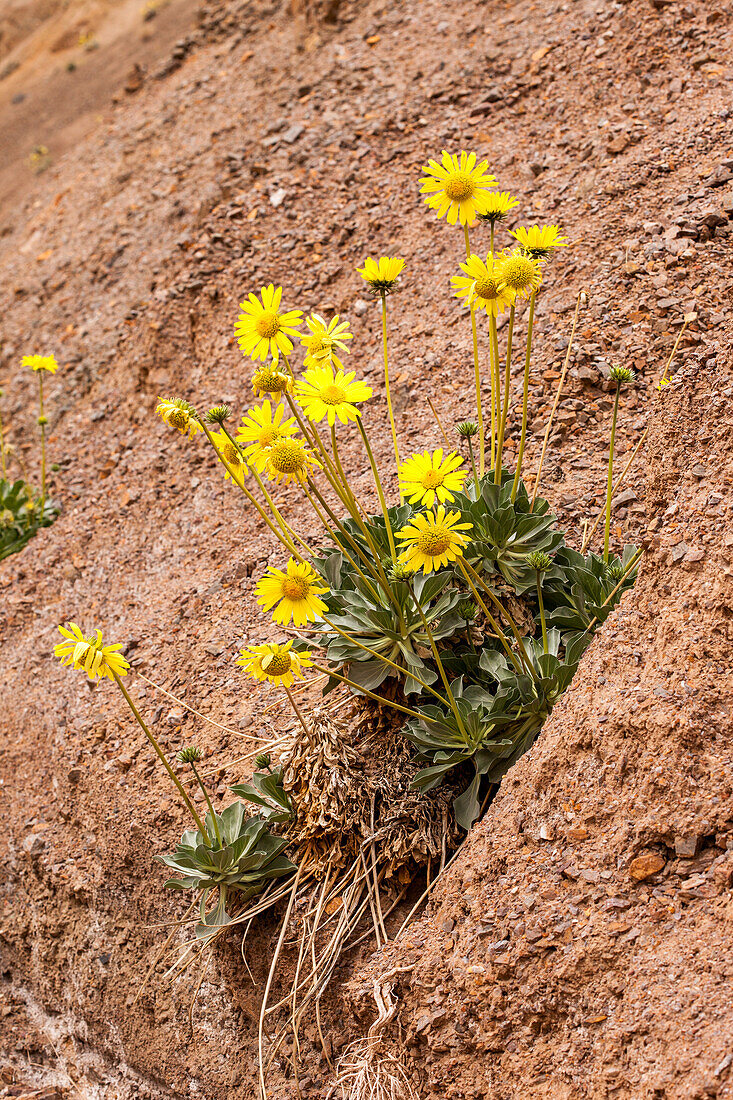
(366, 1070)
(357, 835)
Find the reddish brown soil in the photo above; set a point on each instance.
(285, 150)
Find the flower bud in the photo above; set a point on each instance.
(218, 414)
(539, 561)
(619, 375)
(262, 760)
(189, 755)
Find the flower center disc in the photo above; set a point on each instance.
(432, 479)
(332, 395)
(433, 543)
(178, 419)
(459, 188)
(317, 345)
(279, 665)
(295, 588)
(518, 273)
(287, 457)
(268, 325)
(231, 455)
(486, 290)
(270, 381)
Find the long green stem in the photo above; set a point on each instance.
(342, 489)
(525, 396)
(476, 371)
(289, 533)
(367, 692)
(505, 406)
(609, 488)
(199, 823)
(503, 610)
(2, 450)
(386, 660)
(375, 562)
(42, 422)
(387, 389)
(279, 535)
(345, 535)
(380, 492)
(209, 803)
(542, 612)
(496, 377)
(441, 669)
(473, 464)
(494, 623)
(494, 367)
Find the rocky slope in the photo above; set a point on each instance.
(281, 145)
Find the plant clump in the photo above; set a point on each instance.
(24, 510)
(443, 607)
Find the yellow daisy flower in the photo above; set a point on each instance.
(269, 380)
(179, 414)
(89, 653)
(433, 539)
(382, 274)
(290, 460)
(539, 242)
(496, 206)
(481, 286)
(261, 427)
(279, 664)
(519, 274)
(262, 330)
(232, 456)
(40, 362)
(324, 340)
(322, 393)
(458, 186)
(296, 593)
(429, 477)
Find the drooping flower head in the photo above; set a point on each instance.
(90, 654)
(262, 329)
(295, 591)
(519, 275)
(482, 285)
(280, 664)
(458, 186)
(269, 380)
(433, 539)
(261, 428)
(290, 460)
(325, 341)
(323, 394)
(40, 362)
(179, 414)
(429, 477)
(234, 461)
(382, 274)
(538, 242)
(497, 206)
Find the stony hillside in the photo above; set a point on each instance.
(283, 143)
